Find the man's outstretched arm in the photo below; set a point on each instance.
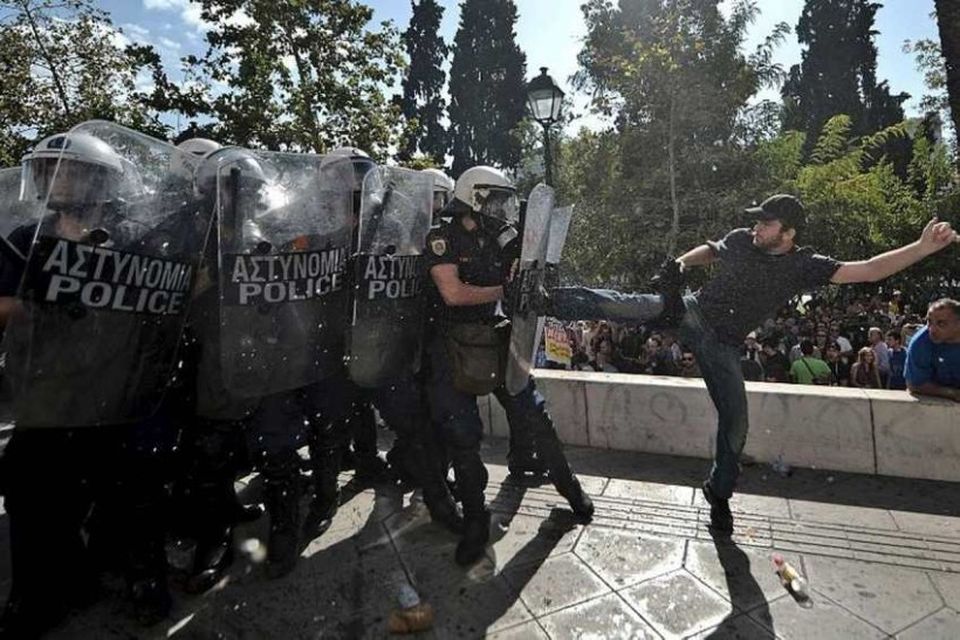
(936, 236)
(698, 257)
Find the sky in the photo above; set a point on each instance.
(550, 32)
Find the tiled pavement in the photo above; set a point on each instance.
(882, 557)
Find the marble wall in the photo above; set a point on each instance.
(882, 432)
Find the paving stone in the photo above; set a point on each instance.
(605, 617)
(413, 528)
(846, 515)
(741, 627)
(889, 597)
(677, 605)
(529, 539)
(743, 576)
(943, 625)
(948, 584)
(928, 524)
(527, 631)
(468, 604)
(624, 558)
(823, 620)
(556, 584)
(639, 490)
(769, 506)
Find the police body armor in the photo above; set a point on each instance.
(386, 331)
(283, 238)
(107, 282)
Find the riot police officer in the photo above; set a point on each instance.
(91, 348)
(392, 209)
(470, 260)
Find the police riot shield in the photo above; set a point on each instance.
(388, 308)
(17, 213)
(107, 280)
(284, 229)
(527, 327)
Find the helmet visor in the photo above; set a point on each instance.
(500, 203)
(67, 184)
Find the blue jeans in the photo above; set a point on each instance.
(719, 363)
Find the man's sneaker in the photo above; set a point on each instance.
(668, 282)
(721, 520)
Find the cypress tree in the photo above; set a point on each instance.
(423, 103)
(487, 86)
(838, 72)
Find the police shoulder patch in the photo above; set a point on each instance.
(438, 246)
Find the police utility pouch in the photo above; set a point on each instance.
(478, 357)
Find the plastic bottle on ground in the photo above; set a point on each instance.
(790, 577)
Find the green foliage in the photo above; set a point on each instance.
(63, 63)
(423, 104)
(487, 86)
(948, 22)
(304, 75)
(819, 88)
(672, 75)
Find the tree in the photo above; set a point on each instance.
(672, 75)
(837, 74)
(423, 104)
(948, 21)
(300, 76)
(63, 63)
(487, 86)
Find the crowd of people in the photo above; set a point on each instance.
(860, 342)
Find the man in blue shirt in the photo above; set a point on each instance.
(933, 357)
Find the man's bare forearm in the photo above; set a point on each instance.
(886, 264)
(932, 389)
(698, 257)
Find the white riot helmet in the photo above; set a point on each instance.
(487, 191)
(199, 146)
(183, 165)
(76, 171)
(221, 162)
(443, 186)
(360, 163)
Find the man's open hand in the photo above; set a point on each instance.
(937, 235)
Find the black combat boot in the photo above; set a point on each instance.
(212, 558)
(283, 505)
(326, 492)
(471, 481)
(566, 483)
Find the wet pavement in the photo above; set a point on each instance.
(881, 557)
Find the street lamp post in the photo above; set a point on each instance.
(545, 100)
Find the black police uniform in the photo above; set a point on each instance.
(53, 477)
(477, 257)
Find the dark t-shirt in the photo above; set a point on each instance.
(752, 284)
(477, 257)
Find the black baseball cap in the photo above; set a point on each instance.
(783, 207)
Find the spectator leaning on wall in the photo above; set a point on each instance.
(933, 357)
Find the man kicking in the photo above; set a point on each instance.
(759, 270)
